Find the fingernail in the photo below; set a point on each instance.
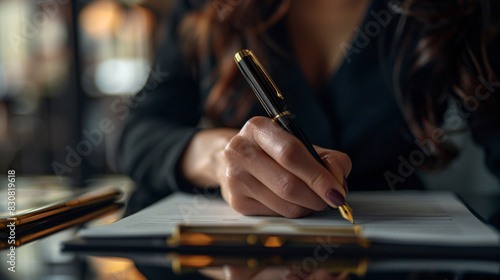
(335, 197)
(346, 189)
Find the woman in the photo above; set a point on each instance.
(369, 81)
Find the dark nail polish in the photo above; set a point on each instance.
(335, 197)
(346, 189)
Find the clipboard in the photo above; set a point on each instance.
(173, 225)
(218, 242)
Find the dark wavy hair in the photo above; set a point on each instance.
(445, 46)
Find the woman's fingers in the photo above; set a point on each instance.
(283, 184)
(233, 193)
(275, 203)
(245, 195)
(338, 163)
(248, 194)
(292, 155)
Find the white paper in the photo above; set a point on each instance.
(407, 217)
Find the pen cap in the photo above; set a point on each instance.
(264, 87)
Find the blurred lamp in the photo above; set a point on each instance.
(101, 18)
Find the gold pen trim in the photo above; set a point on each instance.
(278, 116)
(239, 55)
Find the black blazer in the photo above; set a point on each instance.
(356, 112)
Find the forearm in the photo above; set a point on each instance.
(202, 162)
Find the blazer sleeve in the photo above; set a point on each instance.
(163, 117)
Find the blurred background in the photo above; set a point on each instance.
(68, 69)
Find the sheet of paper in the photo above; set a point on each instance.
(409, 217)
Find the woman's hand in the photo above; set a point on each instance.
(270, 172)
(264, 170)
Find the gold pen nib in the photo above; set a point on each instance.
(346, 212)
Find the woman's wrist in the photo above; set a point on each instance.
(202, 161)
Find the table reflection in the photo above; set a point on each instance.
(175, 266)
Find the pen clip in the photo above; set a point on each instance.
(275, 87)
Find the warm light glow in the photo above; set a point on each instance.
(252, 239)
(196, 261)
(273, 242)
(101, 18)
(109, 267)
(138, 24)
(252, 263)
(196, 239)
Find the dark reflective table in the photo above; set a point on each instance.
(315, 265)
(43, 259)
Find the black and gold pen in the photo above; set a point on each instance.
(271, 99)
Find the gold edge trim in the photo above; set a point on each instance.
(278, 116)
(241, 54)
